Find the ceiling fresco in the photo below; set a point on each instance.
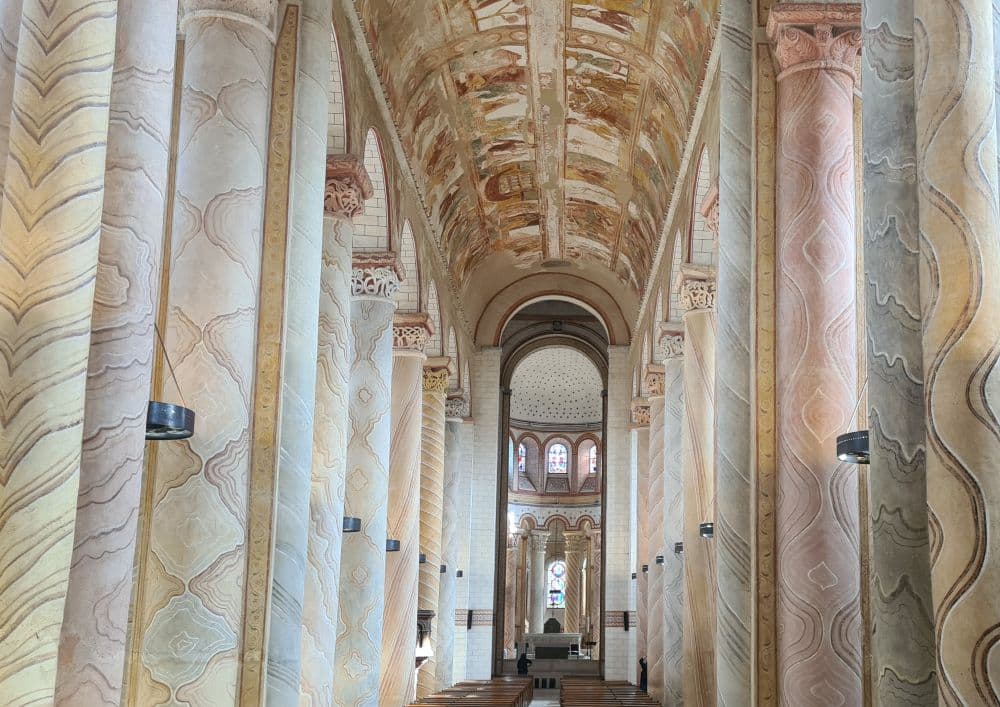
(548, 130)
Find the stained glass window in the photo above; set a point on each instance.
(593, 459)
(522, 454)
(558, 459)
(557, 585)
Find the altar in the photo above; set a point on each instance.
(553, 646)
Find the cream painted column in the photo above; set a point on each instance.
(398, 681)
(957, 52)
(374, 282)
(816, 390)
(640, 452)
(653, 385)
(539, 590)
(435, 385)
(10, 30)
(671, 346)
(576, 550)
(521, 615)
(697, 299)
(510, 594)
(49, 238)
(456, 410)
(195, 530)
(92, 644)
(347, 187)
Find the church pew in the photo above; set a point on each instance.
(500, 692)
(592, 692)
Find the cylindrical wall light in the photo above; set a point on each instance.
(352, 525)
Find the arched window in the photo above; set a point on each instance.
(557, 585)
(558, 459)
(522, 456)
(592, 461)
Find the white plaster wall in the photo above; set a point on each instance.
(464, 532)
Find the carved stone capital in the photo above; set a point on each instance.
(411, 331)
(539, 540)
(259, 11)
(347, 188)
(654, 380)
(457, 408)
(375, 275)
(640, 412)
(436, 380)
(671, 342)
(695, 287)
(815, 36)
(710, 210)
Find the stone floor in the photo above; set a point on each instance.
(545, 698)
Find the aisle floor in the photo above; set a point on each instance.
(545, 698)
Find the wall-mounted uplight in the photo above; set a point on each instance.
(460, 573)
(852, 447)
(707, 530)
(645, 568)
(634, 575)
(166, 421)
(659, 559)
(352, 525)
(444, 569)
(392, 546)
(678, 548)
(423, 559)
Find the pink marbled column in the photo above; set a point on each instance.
(398, 682)
(357, 664)
(640, 443)
(817, 524)
(347, 187)
(122, 341)
(657, 536)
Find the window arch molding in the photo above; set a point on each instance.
(583, 444)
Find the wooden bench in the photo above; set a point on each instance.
(593, 692)
(499, 692)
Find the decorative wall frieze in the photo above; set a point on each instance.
(457, 408)
(640, 412)
(654, 380)
(695, 286)
(260, 12)
(435, 379)
(347, 188)
(375, 275)
(671, 341)
(815, 36)
(710, 209)
(411, 331)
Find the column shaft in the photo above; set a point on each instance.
(444, 647)
(816, 355)
(122, 342)
(575, 552)
(521, 608)
(398, 683)
(657, 540)
(957, 162)
(640, 451)
(374, 282)
(195, 531)
(49, 239)
(510, 582)
(539, 588)
(902, 625)
(431, 496)
(698, 478)
(10, 30)
(673, 511)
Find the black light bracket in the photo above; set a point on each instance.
(166, 421)
(707, 530)
(659, 559)
(678, 548)
(423, 559)
(852, 447)
(392, 545)
(460, 573)
(352, 525)
(634, 575)
(444, 569)
(645, 568)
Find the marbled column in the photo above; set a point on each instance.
(193, 544)
(398, 682)
(902, 624)
(431, 498)
(374, 282)
(10, 30)
(734, 460)
(539, 589)
(347, 187)
(122, 341)
(576, 550)
(640, 450)
(509, 596)
(818, 604)
(49, 237)
(594, 565)
(657, 535)
(957, 153)
(697, 299)
(521, 587)
(456, 410)
(672, 348)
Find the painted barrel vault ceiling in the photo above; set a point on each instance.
(544, 130)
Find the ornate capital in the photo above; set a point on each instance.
(671, 342)
(654, 380)
(260, 11)
(640, 412)
(457, 408)
(436, 381)
(375, 275)
(815, 36)
(710, 210)
(539, 540)
(695, 286)
(410, 332)
(347, 186)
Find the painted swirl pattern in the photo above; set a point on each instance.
(657, 544)
(673, 511)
